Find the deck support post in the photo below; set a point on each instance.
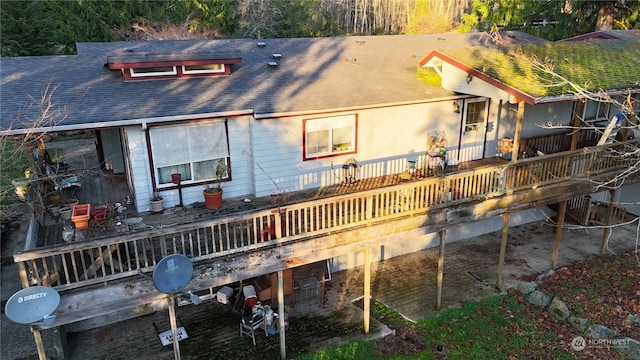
(60, 342)
(515, 152)
(174, 327)
(561, 213)
(367, 289)
(281, 325)
(442, 234)
(37, 337)
(503, 248)
(607, 221)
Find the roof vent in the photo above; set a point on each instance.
(417, 55)
(272, 64)
(128, 50)
(351, 60)
(261, 44)
(360, 42)
(442, 38)
(277, 56)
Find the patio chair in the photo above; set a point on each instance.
(250, 297)
(249, 324)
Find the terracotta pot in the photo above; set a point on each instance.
(212, 200)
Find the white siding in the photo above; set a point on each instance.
(455, 79)
(387, 138)
(267, 155)
(139, 159)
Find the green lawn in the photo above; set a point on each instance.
(498, 327)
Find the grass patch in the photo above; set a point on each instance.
(489, 329)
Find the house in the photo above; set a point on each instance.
(456, 112)
(264, 111)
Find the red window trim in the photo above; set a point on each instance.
(127, 66)
(304, 141)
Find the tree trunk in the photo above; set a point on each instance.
(605, 16)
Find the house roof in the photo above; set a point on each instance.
(595, 65)
(314, 75)
(608, 34)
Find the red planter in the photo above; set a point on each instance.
(213, 200)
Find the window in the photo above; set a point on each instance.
(141, 66)
(203, 69)
(153, 71)
(476, 113)
(595, 110)
(192, 150)
(329, 136)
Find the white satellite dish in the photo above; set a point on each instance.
(172, 273)
(32, 305)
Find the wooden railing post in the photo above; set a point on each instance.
(22, 270)
(369, 208)
(277, 223)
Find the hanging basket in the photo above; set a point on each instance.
(213, 200)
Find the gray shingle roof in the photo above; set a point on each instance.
(312, 75)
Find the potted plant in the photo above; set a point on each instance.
(155, 203)
(213, 192)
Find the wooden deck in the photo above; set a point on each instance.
(406, 283)
(327, 211)
(103, 188)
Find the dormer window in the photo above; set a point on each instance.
(136, 66)
(153, 71)
(203, 69)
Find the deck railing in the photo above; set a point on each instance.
(73, 265)
(558, 142)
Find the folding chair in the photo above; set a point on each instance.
(249, 324)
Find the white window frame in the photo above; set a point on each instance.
(601, 113)
(133, 74)
(473, 126)
(185, 145)
(330, 124)
(212, 71)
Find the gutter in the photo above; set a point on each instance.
(119, 123)
(573, 97)
(453, 96)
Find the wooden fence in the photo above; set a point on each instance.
(73, 265)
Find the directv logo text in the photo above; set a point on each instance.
(32, 297)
